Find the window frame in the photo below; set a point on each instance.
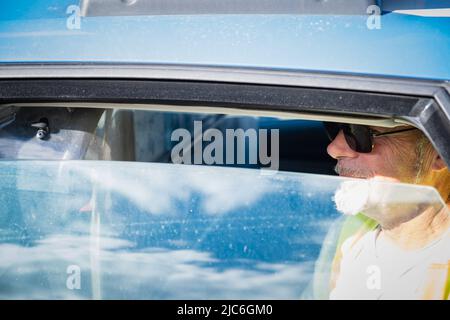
(424, 104)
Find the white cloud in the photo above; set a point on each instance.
(154, 273)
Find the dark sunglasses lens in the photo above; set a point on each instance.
(351, 140)
(332, 129)
(359, 138)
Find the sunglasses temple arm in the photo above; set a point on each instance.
(392, 132)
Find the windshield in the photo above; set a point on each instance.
(128, 230)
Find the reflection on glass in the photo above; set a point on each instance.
(400, 251)
(122, 230)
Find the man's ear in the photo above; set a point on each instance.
(438, 163)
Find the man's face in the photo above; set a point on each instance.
(393, 157)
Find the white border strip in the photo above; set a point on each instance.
(426, 12)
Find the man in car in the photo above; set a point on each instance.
(391, 255)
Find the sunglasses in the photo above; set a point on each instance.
(358, 137)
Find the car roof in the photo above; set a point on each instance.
(404, 45)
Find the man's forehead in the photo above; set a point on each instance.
(385, 129)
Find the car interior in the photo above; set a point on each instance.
(119, 133)
(144, 136)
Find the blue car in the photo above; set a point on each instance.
(178, 149)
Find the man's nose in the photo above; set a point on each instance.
(339, 148)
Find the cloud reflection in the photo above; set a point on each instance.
(39, 272)
(158, 188)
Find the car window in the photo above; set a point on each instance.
(130, 230)
(150, 136)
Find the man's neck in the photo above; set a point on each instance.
(421, 230)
